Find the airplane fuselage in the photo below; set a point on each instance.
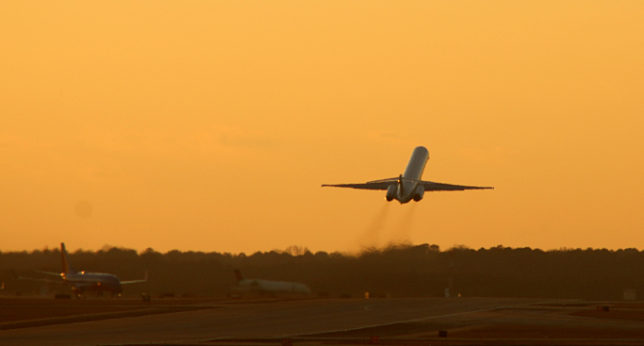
(409, 187)
(100, 282)
(268, 287)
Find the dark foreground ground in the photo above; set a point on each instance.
(393, 321)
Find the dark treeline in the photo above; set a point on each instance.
(396, 271)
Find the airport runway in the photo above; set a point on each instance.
(335, 321)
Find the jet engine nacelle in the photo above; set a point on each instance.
(418, 194)
(391, 192)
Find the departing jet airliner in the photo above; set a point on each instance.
(408, 186)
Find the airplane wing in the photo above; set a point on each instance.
(374, 185)
(47, 273)
(130, 282)
(50, 281)
(383, 184)
(434, 186)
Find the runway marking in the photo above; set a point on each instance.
(92, 317)
(420, 319)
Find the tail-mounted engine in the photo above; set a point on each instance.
(391, 192)
(418, 194)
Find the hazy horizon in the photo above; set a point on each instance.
(297, 250)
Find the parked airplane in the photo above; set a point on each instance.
(82, 281)
(408, 186)
(267, 287)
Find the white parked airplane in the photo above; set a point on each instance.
(268, 287)
(409, 185)
(82, 281)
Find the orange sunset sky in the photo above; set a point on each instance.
(210, 125)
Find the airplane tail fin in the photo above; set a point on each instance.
(66, 266)
(238, 275)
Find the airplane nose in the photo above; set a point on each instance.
(421, 150)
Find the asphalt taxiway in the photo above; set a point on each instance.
(457, 321)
